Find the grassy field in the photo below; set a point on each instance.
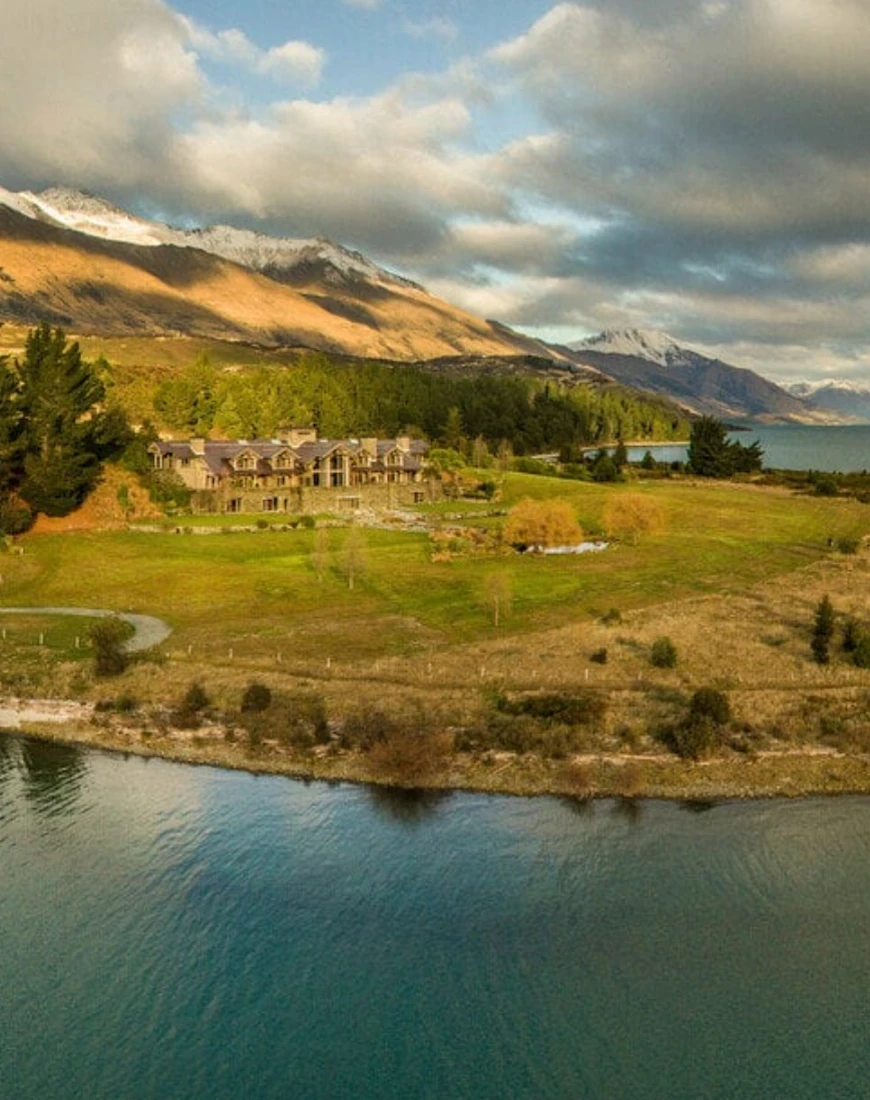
(258, 592)
(733, 580)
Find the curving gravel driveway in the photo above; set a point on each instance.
(148, 630)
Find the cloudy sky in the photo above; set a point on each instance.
(701, 166)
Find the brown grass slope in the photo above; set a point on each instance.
(94, 286)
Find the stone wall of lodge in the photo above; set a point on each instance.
(310, 500)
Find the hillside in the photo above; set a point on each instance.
(96, 285)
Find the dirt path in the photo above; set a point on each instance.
(148, 630)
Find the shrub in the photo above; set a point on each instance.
(825, 486)
(585, 708)
(187, 715)
(861, 652)
(663, 653)
(599, 656)
(262, 524)
(107, 638)
(823, 631)
(613, 617)
(696, 737)
(365, 728)
(851, 635)
(408, 757)
(849, 544)
(307, 521)
(256, 697)
(709, 703)
(16, 515)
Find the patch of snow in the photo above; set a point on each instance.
(94, 216)
(657, 347)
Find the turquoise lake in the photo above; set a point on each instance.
(845, 448)
(171, 933)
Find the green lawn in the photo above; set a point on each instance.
(258, 593)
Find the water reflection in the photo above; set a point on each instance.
(577, 804)
(697, 805)
(630, 809)
(407, 805)
(52, 774)
(6, 761)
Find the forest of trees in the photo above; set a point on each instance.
(372, 398)
(54, 432)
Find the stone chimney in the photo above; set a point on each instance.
(403, 442)
(369, 444)
(294, 437)
(197, 445)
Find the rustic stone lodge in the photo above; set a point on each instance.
(298, 473)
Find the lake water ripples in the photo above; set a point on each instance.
(172, 932)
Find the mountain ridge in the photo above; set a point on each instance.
(653, 361)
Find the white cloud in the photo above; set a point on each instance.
(297, 61)
(367, 5)
(294, 61)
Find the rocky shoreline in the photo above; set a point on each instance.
(789, 773)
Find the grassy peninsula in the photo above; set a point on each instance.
(420, 652)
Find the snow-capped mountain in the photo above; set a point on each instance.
(72, 259)
(654, 361)
(838, 395)
(656, 347)
(280, 257)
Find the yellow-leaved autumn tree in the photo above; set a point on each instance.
(630, 515)
(542, 523)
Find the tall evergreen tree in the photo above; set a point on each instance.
(11, 430)
(66, 434)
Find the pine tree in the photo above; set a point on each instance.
(823, 631)
(66, 434)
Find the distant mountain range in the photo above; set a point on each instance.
(654, 361)
(850, 399)
(75, 260)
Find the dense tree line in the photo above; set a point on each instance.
(54, 431)
(372, 398)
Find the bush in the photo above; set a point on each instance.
(256, 697)
(849, 544)
(298, 720)
(709, 703)
(585, 708)
(408, 757)
(861, 652)
(823, 631)
(307, 521)
(599, 656)
(696, 737)
(187, 715)
(851, 635)
(365, 728)
(16, 515)
(663, 653)
(107, 638)
(825, 486)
